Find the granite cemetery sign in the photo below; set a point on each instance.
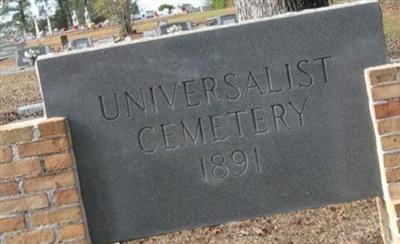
(229, 123)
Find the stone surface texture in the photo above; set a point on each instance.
(229, 123)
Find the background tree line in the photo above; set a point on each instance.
(119, 11)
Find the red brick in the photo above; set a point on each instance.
(397, 209)
(394, 190)
(389, 125)
(12, 224)
(391, 160)
(8, 189)
(24, 203)
(5, 154)
(390, 142)
(393, 175)
(53, 127)
(44, 147)
(382, 75)
(386, 92)
(19, 168)
(56, 216)
(10, 134)
(62, 180)
(387, 109)
(42, 236)
(58, 161)
(72, 231)
(66, 197)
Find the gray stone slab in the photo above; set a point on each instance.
(287, 126)
(173, 27)
(82, 43)
(30, 109)
(105, 42)
(24, 56)
(212, 21)
(9, 49)
(228, 19)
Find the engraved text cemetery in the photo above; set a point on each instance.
(172, 135)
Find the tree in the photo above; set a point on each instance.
(20, 15)
(250, 9)
(118, 10)
(135, 8)
(165, 6)
(65, 12)
(218, 4)
(59, 20)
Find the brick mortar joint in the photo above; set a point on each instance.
(29, 123)
(27, 214)
(36, 132)
(20, 179)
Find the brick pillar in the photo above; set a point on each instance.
(383, 85)
(39, 195)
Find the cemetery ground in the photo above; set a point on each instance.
(355, 222)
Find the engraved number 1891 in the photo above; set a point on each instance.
(236, 164)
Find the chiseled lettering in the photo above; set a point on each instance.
(256, 118)
(129, 99)
(235, 88)
(153, 99)
(209, 85)
(188, 93)
(145, 149)
(309, 76)
(170, 100)
(103, 110)
(198, 134)
(252, 83)
(166, 134)
(279, 115)
(299, 111)
(238, 121)
(324, 67)
(289, 75)
(214, 127)
(269, 82)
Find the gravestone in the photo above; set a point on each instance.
(105, 42)
(9, 49)
(82, 43)
(228, 19)
(213, 126)
(64, 41)
(30, 109)
(24, 56)
(212, 22)
(150, 33)
(173, 27)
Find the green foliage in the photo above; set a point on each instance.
(229, 3)
(135, 8)
(164, 6)
(20, 15)
(59, 20)
(218, 4)
(116, 10)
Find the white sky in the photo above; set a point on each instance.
(143, 4)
